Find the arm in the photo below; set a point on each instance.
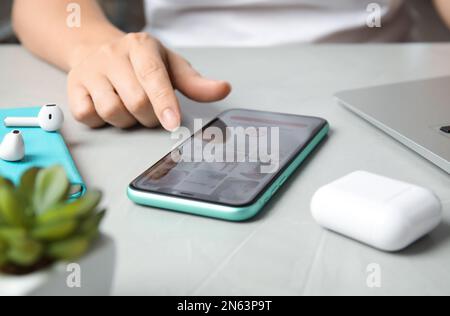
(42, 28)
(443, 8)
(114, 78)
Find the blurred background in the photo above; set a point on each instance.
(128, 15)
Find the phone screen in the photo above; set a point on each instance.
(233, 159)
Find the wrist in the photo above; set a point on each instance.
(87, 46)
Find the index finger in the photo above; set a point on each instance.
(152, 74)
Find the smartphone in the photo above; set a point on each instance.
(230, 168)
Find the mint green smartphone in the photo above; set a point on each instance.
(231, 167)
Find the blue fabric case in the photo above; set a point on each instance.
(42, 149)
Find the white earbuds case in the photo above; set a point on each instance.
(384, 213)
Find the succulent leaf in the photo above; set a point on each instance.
(12, 208)
(70, 249)
(3, 258)
(54, 231)
(3, 249)
(3, 245)
(79, 208)
(5, 182)
(92, 222)
(51, 188)
(11, 235)
(27, 183)
(25, 253)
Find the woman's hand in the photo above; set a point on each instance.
(131, 80)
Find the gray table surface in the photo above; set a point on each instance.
(283, 251)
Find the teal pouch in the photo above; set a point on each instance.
(42, 149)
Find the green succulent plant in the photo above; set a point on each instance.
(39, 225)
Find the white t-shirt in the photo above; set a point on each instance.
(272, 22)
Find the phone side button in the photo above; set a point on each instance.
(275, 189)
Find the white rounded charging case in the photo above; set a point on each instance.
(384, 213)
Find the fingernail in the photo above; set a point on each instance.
(170, 120)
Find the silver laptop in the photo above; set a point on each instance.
(416, 114)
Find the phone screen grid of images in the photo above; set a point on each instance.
(227, 182)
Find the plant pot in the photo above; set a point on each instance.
(91, 275)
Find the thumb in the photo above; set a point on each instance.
(189, 82)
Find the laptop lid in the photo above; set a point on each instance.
(415, 113)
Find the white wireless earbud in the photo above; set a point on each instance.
(12, 147)
(50, 119)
